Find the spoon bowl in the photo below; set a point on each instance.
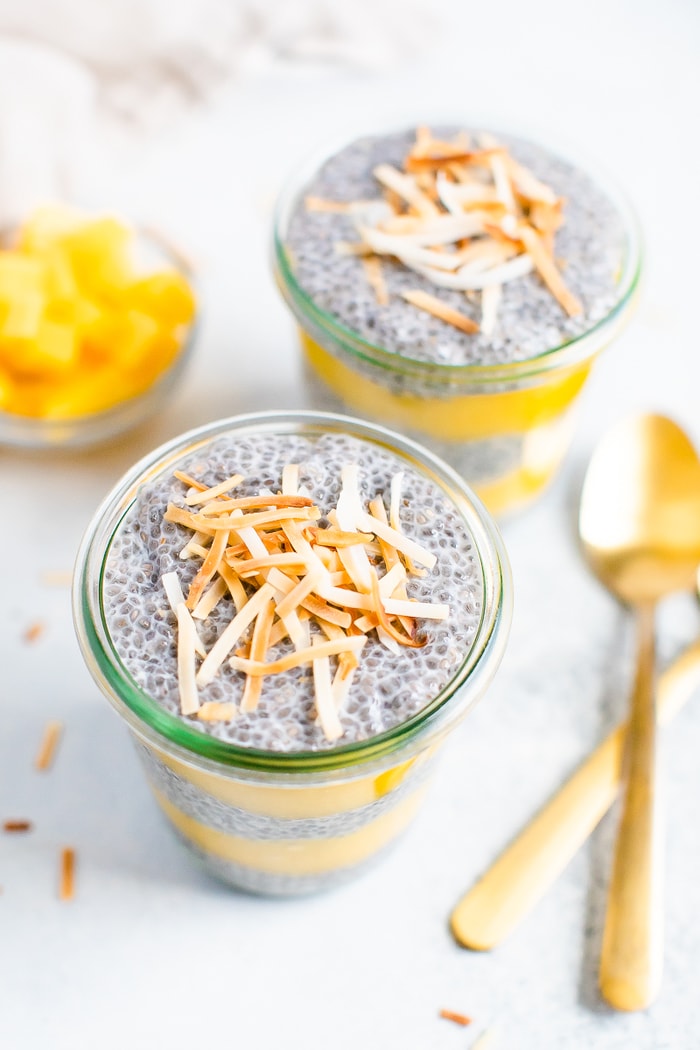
(640, 510)
(639, 525)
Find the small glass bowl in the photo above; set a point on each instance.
(31, 432)
(286, 823)
(505, 428)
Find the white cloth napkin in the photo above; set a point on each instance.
(65, 64)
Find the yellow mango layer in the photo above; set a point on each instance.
(463, 417)
(291, 802)
(296, 856)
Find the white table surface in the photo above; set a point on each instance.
(151, 953)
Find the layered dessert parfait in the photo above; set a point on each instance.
(458, 286)
(291, 612)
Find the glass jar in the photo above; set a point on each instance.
(288, 822)
(504, 427)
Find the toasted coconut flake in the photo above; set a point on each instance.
(342, 680)
(375, 279)
(527, 185)
(337, 538)
(290, 479)
(451, 1015)
(490, 301)
(422, 610)
(353, 248)
(173, 589)
(439, 260)
(298, 659)
(346, 598)
(546, 218)
(194, 545)
(235, 587)
(405, 186)
(250, 502)
(395, 577)
(432, 305)
(47, 748)
(435, 162)
(268, 518)
(205, 495)
(325, 701)
(340, 578)
(180, 516)
(208, 569)
(367, 623)
(395, 518)
(209, 601)
(231, 633)
(442, 229)
(34, 632)
(294, 626)
(339, 207)
(187, 479)
(252, 541)
(66, 889)
(348, 661)
(398, 540)
(466, 280)
(547, 269)
(300, 544)
(173, 592)
(12, 826)
(326, 613)
(258, 650)
(456, 196)
(298, 593)
(381, 612)
(217, 711)
(484, 255)
(186, 647)
(252, 566)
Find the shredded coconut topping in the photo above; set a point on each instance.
(285, 569)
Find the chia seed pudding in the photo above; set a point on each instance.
(390, 685)
(530, 320)
(473, 342)
(265, 797)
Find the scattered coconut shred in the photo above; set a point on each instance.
(466, 217)
(286, 574)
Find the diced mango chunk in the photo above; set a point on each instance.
(165, 296)
(81, 329)
(99, 253)
(22, 315)
(45, 225)
(20, 273)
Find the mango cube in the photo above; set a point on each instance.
(20, 273)
(80, 329)
(167, 297)
(99, 253)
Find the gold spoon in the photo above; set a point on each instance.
(524, 871)
(640, 528)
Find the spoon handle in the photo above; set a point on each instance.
(632, 952)
(523, 873)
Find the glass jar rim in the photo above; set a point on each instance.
(570, 352)
(150, 720)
